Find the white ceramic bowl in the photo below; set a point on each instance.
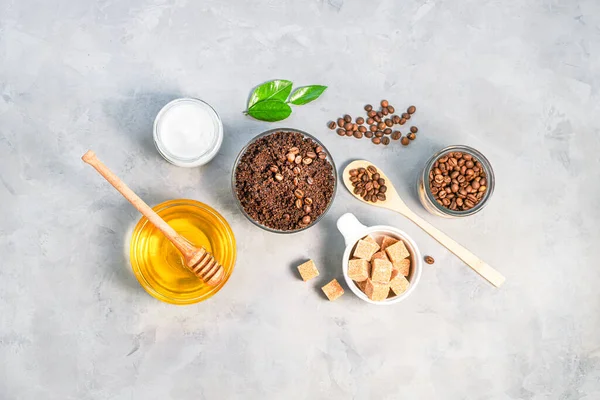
(353, 230)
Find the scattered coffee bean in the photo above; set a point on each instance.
(405, 141)
(411, 136)
(414, 129)
(310, 180)
(387, 131)
(406, 115)
(307, 208)
(379, 134)
(411, 109)
(384, 103)
(429, 260)
(376, 140)
(331, 125)
(368, 107)
(358, 135)
(298, 159)
(279, 177)
(296, 170)
(369, 134)
(341, 132)
(362, 129)
(273, 168)
(372, 114)
(381, 126)
(348, 126)
(396, 135)
(389, 122)
(391, 109)
(370, 121)
(402, 121)
(347, 118)
(360, 120)
(373, 128)
(349, 133)
(341, 122)
(385, 141)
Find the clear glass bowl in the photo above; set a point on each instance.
(158, 265)
(243, 151)
(429, 202)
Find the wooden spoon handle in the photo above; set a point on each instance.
(182, 244)
(478, 265)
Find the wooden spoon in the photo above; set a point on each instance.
(395, 203)
(198, 260)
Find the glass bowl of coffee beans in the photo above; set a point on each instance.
(284, 180)
(457, 181)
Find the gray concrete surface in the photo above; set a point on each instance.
(519, 80)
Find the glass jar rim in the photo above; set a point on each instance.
(489, 176)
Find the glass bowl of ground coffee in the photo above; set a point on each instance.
(457, 181)
(284, 180)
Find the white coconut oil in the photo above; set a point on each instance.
(188, 132)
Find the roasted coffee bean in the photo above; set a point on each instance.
(429, 260)
(381, 196)
(380, 114)
(384, 103)
(310, 180)
(279, 177)
(377, 118)
(318, 149)
(381, 181)
(353, 172)
(376, 140)
(406, 115)
(308, 201)
(311, 154)
(306, 219)
(389, 122)
(307, 160)
(369, 134)
(296, 170)
(362, 170)
(382, 189)
(396, 135)
(360, 120)
(286, 216)
(387, 131)
(298, 159)
(373, 128)
(299, 193)
(294, 150)
(347, 118)
(290, 157)
(322, 155)
(353, 178)
(368, 107)
(414, 129)
(375, 184)
(379, 134)
(298, 204)
(385, 111)
(349, 133)
(362, 129)
(372, 114)
(381, 126)
(370, 121)
(369, 186)
(357, 190)
(405, 141)
(348, 126)
(402, 121)
(396, 119)
(307, 208)
(391, 109)
(411, 109)
(411, 136)
(341, 131)
(331, 124)
(385, 141)
(274, 168)
(372, 169)
(358, 135)
(354, 127)
(340, 122)
(375, 176)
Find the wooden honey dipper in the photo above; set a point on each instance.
(197, 259)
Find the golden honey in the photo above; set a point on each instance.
(160, 267)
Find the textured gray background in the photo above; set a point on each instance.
(519, 80)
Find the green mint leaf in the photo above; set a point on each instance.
(306, 94)
(273, 90)
(270, 110)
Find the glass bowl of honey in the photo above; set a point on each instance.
(160, 267)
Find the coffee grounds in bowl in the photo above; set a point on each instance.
(284, 181)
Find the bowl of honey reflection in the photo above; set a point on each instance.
(160, 267)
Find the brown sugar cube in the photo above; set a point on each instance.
(361, 285)
(397, 251)
(308, 270)
(333, 290)
(358, 270)
(369, 238)
(381, 271)
(365, 250)
(380, 255)
(387, 241)
(399, 284)
(376, 291)
(403, 266)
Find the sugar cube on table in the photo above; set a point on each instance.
(308, 270)
(358, 270)
(333, 290)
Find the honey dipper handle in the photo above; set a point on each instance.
(182, 245)
(478, 265)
